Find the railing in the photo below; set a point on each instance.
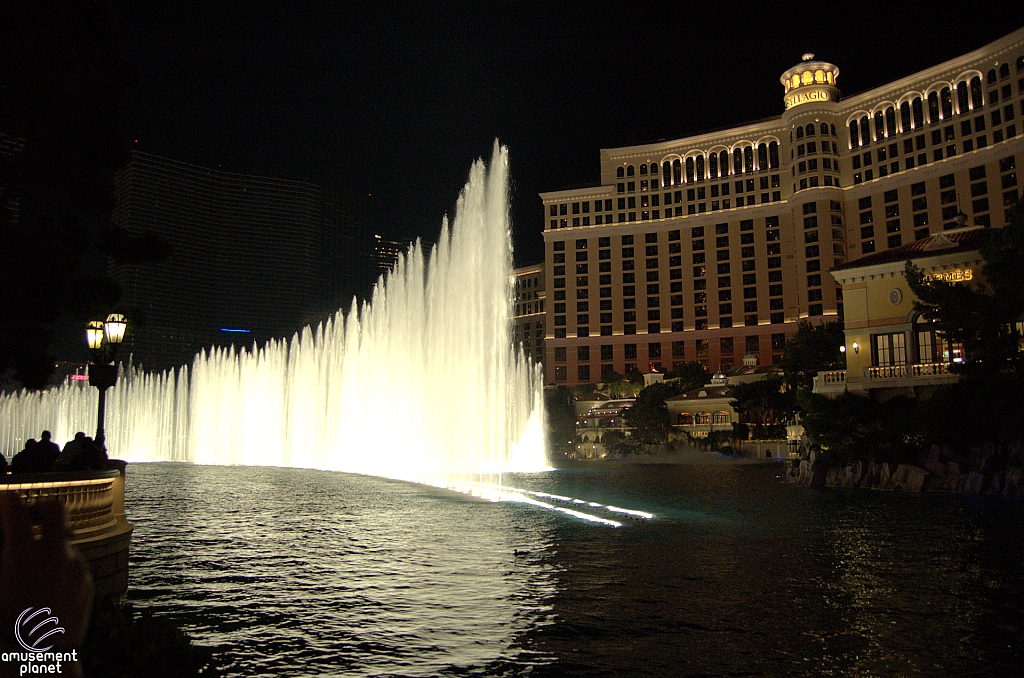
(887, 372)
(929, 369)
(905, 371)
(832, 377)
(93, 500)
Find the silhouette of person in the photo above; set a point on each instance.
(69, 456)
(93, 456)
(26, 461)
(48, 450)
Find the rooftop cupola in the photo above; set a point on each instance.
(810, 81)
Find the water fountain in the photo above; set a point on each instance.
(422, 383)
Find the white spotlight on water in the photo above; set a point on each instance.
(422, 383)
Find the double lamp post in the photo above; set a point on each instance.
(104, 338)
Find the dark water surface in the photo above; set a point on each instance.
(290, 572)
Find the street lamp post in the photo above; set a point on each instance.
(104, 338)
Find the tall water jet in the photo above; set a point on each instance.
(422, 383)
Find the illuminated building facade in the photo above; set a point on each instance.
(714, 246)
(253, 258)
(529, 309)
(890, 349)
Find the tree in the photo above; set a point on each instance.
(561, 418)
(983, 316)
(851, 426)
(765, 398)
(813, 349)
(63, 85)
(691, 375)
(649, 414)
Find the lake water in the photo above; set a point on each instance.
(289, 572)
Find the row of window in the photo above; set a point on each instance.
(702, 166)
(940, 104)
(751, 345)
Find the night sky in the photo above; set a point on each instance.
(397, 103)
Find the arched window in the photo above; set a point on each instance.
(832, 128)
(723, 162)
(824, 129)
(713, 166)
(890, 122)
(762, 157)
(819, 77)
(677, 171)
(962, 98)
(991, 76)
(643, 170)
(773, 155)
(1004, 71)
(946, 99)
(720, 417)
(700, 168)
(977, 101)
(800, 132)
(654, 169)
(865, 131)
(689, 169)
(748, 159)
(806, 78)
(917, 106)
(854, 135)
(666, 173)
(879, 126)
(737, 161)
(810, 130)
(702, 418)
(685, 419)
(630, 171)
(905, 116)
(1020, 64)
(620, 172)
(933, 108)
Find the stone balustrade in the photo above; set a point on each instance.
(94, 505)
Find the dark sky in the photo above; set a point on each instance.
(397, 103)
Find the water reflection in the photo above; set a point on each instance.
(293, 572)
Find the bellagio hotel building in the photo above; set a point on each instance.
(715, 246)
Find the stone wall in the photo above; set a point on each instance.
(982, 471)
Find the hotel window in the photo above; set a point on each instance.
(932, 348)
(888, 349)
(946, 98)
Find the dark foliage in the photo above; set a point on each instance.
(561, 417)
(63, 84)
(649, 415)
(850, 427)
(691, 375)
(982, 314)
(123, 643)
(813, 349)
(765, 400)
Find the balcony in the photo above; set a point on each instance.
(832, 382)
(887, 376)
(94, 506)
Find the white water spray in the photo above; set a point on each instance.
(423, 383)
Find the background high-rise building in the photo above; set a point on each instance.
(714, 246)
(253, 257)
(529, 309)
